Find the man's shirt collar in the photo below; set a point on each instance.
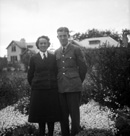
(65, 46)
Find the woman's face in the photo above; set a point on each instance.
(43, 44)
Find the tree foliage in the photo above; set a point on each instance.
(96, 33)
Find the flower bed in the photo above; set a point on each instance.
(94, 117)
(94, 120)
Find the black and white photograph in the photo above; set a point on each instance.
(64, 67)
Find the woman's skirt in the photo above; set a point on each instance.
(44, 106)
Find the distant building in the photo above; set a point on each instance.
(16, 48)
(98, 41)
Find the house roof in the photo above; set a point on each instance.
(30, 47)
(19, 44)
(23, 45)
(108, 40)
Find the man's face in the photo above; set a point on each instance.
(63, 38)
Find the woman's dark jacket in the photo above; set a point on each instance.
(42, 72)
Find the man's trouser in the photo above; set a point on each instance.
(70, 106)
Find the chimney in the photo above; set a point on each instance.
(23, 40)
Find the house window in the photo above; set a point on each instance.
(13, 48)
(13, 58)
(94, 42)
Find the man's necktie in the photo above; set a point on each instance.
(63, 49)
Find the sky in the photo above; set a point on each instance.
(30, 19)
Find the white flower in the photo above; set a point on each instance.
(10, 118)
(92, 117)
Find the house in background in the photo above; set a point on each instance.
(16, 48)
(97, 41)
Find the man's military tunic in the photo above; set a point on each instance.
(71, 69)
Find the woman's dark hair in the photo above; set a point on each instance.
(45, 37)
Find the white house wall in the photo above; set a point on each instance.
(107, 40)
(16, 53)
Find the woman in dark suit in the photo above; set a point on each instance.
(42, 73)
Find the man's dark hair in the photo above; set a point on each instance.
(63, 29)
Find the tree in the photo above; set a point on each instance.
(96, 33)
(125, 41)
(26, 58)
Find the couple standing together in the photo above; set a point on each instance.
(56, 84)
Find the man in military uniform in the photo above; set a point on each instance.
(71, 73)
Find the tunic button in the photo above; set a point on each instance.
(63, 67)
(63, 61)
(63, 55)
(63, 73)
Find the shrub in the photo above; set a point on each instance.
(122, 122)
(109, 75)
(3, 63)
(23, 105)
(24, 130)
(13, 86)
(7, 94)
(95, 132)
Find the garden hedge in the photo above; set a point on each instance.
(108, 77)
